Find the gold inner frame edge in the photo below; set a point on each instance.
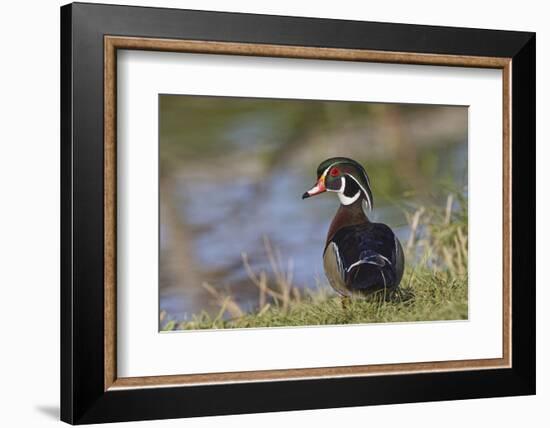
(113, 43)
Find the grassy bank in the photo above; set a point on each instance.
(434, 286)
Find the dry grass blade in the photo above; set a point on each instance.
(448, 209)
(414, 226)
(224, 301)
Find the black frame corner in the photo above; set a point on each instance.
(83, 399)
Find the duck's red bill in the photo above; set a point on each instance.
(315, 190)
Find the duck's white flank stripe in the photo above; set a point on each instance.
(370, 262)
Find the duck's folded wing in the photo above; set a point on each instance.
(364, 258)
(372, 271)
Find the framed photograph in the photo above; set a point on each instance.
(265, 213)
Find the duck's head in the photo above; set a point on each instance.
(347, 178)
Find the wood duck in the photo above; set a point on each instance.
(360, 257)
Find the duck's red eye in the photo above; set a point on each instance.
(334, 172)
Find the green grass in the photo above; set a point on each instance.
(434, 286)
(436, 297)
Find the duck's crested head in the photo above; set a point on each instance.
(346, 177)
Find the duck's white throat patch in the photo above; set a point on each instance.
(346, 200)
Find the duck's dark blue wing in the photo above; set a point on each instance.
(364, 258)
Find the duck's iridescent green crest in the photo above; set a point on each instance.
(360, 256)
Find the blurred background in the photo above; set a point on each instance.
(232, 172)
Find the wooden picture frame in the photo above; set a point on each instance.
(91, 390)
